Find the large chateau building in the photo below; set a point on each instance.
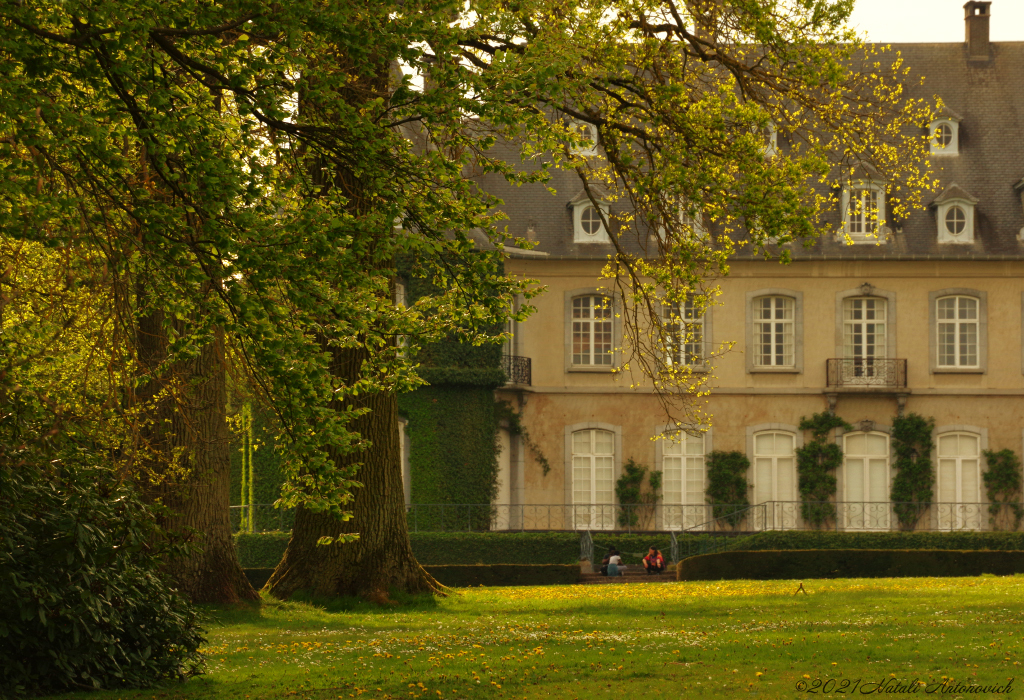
(925, 317)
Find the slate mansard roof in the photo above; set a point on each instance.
(986, 96)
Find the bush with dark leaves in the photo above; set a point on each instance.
(82, 602)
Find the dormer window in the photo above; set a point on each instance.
(864, 212)
(585, 135)
(954, 214)
(772, 146)
(945, 137)
(588, 220)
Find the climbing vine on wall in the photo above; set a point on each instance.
(915, 475)
(637, 503)
(515, 427)
(816, 464)
(727, 489)
(1003, 483)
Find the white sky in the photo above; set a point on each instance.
(892, 21)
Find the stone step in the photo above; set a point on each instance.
(628, 576)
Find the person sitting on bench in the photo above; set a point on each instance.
(615, 564)
(654, 562)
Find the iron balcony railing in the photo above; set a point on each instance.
(866, 372)
(840, 516)
(517, 369)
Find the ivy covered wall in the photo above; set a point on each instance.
(453, 423)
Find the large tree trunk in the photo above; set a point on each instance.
(189, 442)
(381, 560)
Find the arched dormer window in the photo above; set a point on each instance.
(587, 221)
(772, 144)
(585, 135)
(864, 212)
(944, 135)
(954, 215)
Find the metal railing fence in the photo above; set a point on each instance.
(877, 372)
(842, 516)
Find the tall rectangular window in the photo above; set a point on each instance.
(959, 481)
(862, 213)
(683, 487)
(592, 331)
(684, 330)
(773, 332)
(866, 481)
(957, 328)
(593, 459)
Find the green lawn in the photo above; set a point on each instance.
(657, 640)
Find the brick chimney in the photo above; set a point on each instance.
(976, 16)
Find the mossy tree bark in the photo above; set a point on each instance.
(381, 560)
(189, 464)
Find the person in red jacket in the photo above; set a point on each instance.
(654, 562)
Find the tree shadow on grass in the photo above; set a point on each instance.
(304, 610)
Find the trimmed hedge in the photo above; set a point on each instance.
(261, 550)
(768, 565)
(793, 539)
(264, 550)
(462, 576)
(506, 574)
(449, 548)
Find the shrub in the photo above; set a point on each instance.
(638, 505)
(727, 485)
(82, 604)
(460, 576)
(1003, 484)
(770, 565)
(795, 539)
(915, 475)
(816, 463)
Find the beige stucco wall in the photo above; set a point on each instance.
(991, 400)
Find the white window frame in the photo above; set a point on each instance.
(583, 516)
(953, 148)
(879, 230)
(788, 335)
(581, 236)
(960, 328)
(577, 360)
(966, 237)
(772, 146)
(580, 150)
(752, 299)
(783, 514)
(683, 514)
(866, 514)
(949, 516)
(981, 299)
(692, 333)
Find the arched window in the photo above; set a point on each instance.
(774, 466)
(591, 331)
(866, 481)
(683, 477)
(775, 480)
(959, 481)
(593, 470)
